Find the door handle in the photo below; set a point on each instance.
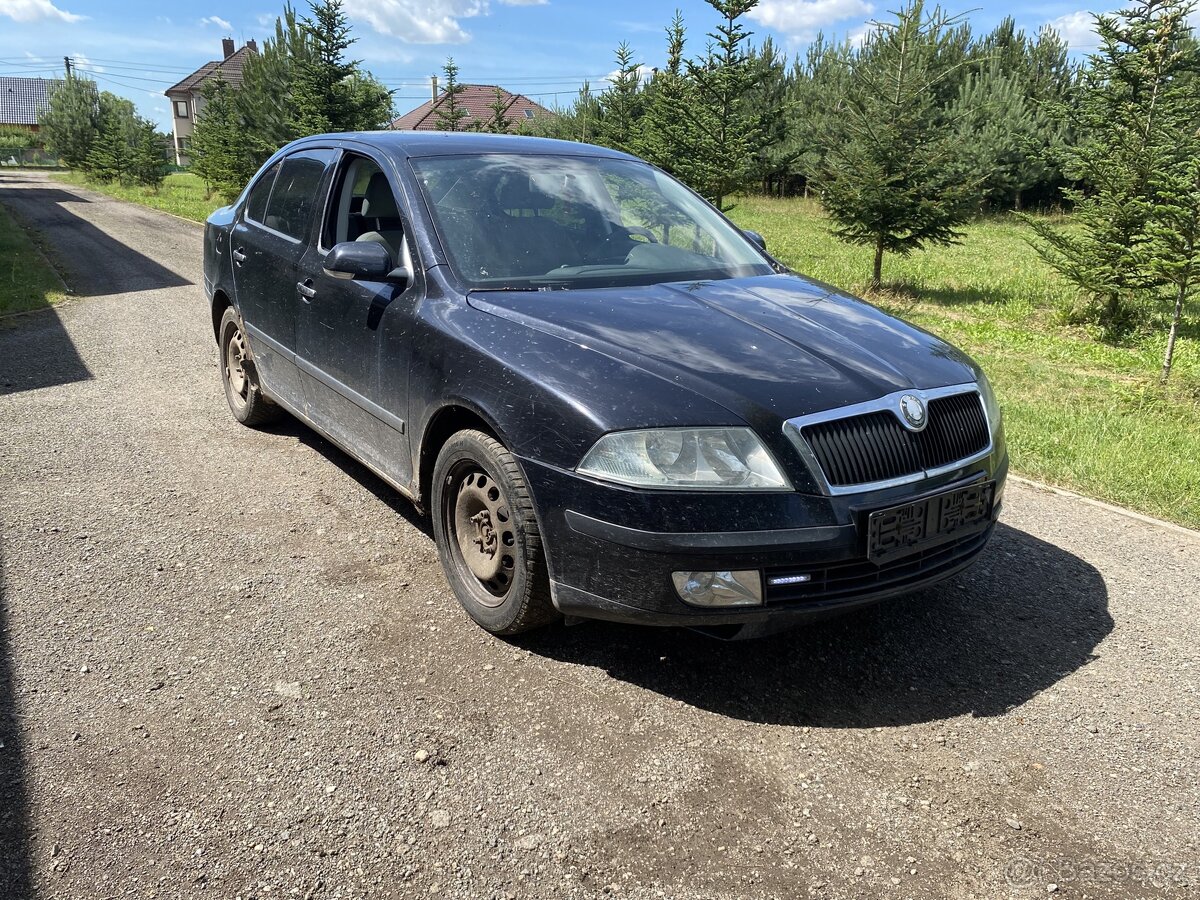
(307, 291)
(238, 256)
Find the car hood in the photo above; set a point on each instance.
(774, 346)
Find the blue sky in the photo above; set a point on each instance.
(542, 48)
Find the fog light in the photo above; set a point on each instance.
(740, 588)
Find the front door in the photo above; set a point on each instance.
(351, 335)
(268, 243)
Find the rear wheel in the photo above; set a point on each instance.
(247, 402)
(487, 535)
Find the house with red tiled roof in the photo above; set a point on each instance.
(477, 100)
(187, 98)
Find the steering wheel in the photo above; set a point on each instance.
(644, 232)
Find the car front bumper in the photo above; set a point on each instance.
(612, 550)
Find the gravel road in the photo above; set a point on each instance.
(230, 667)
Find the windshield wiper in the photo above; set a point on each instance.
(528, 289)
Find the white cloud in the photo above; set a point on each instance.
(81, 59)
(802, 19)
(1078, 29)
(645, 73)
(418, 21)
(223, 24)
(35, 10)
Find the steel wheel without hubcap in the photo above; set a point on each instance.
(235, 367)
(487, 535)
(247, 402)
(484, 535)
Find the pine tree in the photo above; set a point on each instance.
(816, 96)
(1133, 97)
(499, 121)
(894, 179)
(264, 104)
(664, 136)
(727, 131)
(111, 157)
(72, 121)
(319, 91)
(1171, 252)
(621, 103)
(998, 134)
(769, 96)
(150, 162)
(449, 112)
(219, 149)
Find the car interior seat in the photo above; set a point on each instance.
(381, 217)
(536, 243)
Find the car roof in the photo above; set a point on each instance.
(451, 143)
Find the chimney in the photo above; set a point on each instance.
(252, 44)
(433, 87)
(227, 46)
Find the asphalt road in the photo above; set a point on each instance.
(230, 667)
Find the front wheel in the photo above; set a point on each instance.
(247, 402)
(487, 535)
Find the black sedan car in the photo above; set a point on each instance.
(613, 403)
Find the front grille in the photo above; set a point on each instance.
(876, 447)
(847, 580)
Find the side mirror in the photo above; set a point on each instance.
(365, 260)
(756, 239)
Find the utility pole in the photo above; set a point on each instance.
(67, 63)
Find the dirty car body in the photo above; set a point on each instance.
(706, 438)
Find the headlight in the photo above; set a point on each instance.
(990, 405)
(696, 458)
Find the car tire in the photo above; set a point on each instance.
(487, 535)
(247, 402)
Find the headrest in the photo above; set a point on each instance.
(516, 192)
(379, 202)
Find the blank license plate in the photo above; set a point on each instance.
(913, 527)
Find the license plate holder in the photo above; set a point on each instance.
(909, 528)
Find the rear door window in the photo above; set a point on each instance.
(294, 196)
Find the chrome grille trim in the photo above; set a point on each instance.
(793, 429)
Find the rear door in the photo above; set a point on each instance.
(353, 335)
(268, 241)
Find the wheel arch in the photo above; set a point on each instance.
(220, 303)
(446, 421)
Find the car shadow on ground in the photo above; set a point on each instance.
(378, 488)
(1026, 615)
(37, 352)
(15, 845)
(103, 265)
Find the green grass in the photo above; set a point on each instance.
(182, 194)
(1079, 413)
(26, 280)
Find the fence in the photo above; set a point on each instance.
(30, 157)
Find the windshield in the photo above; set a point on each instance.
(532, 222)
